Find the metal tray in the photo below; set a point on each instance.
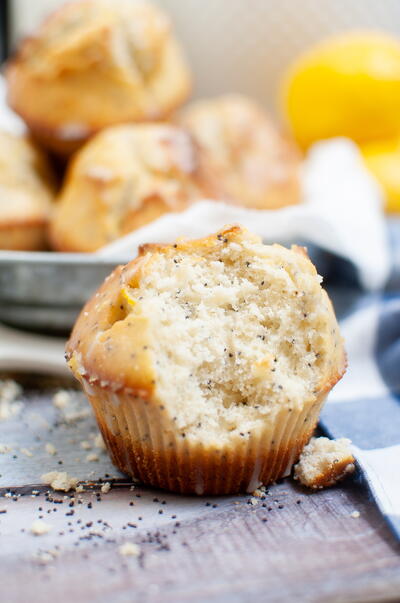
(45, 291)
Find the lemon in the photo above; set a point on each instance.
(383, 160)
(348, 85)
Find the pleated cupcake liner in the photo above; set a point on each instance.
(143, 443)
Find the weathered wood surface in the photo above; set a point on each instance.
(291, 546)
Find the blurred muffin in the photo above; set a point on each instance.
(207, 362)
(27, 189)
(244, 158)
(96, 63)
(123, 178)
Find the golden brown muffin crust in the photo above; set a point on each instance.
(96, 63)
(27, 189)
(125, 177)
(244, 158)
(107, 337)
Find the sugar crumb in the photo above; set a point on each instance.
(355, 514)
(106, 488)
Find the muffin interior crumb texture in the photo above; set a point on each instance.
(323, 462)
(238, 330)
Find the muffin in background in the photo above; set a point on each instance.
(207, 362)
(27, 190)
(123, 178)
(244, 158)
(93, 64)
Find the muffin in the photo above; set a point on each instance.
(123, 178)
(244, 157)
(324, 462)
(93, 64)
(27, 189)
(207, 362)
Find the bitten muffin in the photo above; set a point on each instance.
(324, 462)
(123, 178)
(244, 157)
(93, 64)
(27, 189)
(207, 362)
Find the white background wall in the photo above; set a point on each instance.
(243, 45)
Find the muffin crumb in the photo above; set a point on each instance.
(9, 405)
(92, 457)
(129, 549)
(50, 449)
(40, 527)
(106, 488)
(60, 480)
(61, 399)
(26, 452)
(324, 462)
(99, 442)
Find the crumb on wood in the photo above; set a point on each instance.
(129, 549)
(324, 462)
(10, 406)
(99, 442)
(40, 527)
(92, 457)
(60, 480)
(61, 399)
(26, 452)
(50, 449)
(45, 557)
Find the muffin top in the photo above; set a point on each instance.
(27, 184)
(244, 156)
(123, 178)
(94, 63)
(221, 333)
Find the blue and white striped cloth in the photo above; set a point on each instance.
(365, 405)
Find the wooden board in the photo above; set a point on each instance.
(292, 545)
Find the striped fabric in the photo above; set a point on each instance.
(365, 405)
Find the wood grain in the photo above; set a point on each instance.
(292, 546)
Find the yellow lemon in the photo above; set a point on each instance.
(348, 85)
(383, 160)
